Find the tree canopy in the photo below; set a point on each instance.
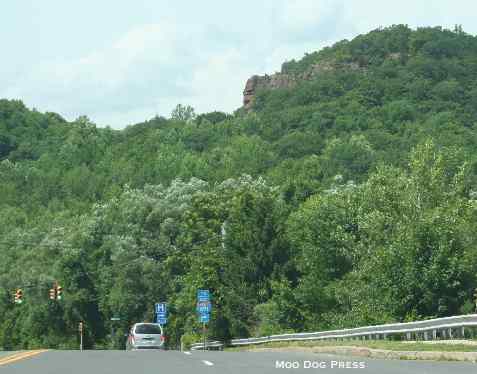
(347, 199)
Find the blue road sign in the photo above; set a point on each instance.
(204, 307)
(161, 308)
(162, 321)
(203, 295)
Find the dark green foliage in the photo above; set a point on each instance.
(347, 199)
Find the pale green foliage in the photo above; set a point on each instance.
(184, 113)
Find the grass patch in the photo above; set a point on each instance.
(373, 344)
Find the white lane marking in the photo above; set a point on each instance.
(208, 363)
(187, 353)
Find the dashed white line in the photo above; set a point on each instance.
(208, 363)
(187, 353)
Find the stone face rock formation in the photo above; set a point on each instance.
(255, 83)
(249, 91)
(287, 80)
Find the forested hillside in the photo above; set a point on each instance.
(347, 198)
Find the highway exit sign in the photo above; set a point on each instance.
(203, 295)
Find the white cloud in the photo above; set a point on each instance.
(371, 14)
(220, 79)
(145, 72)
(297, 15)
(143, 66)
(203, 54)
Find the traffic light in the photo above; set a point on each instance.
(19, 296)
(56, 292)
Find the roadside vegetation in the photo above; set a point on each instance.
(400, 346)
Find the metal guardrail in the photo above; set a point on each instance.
(443, 328)
(208, 345)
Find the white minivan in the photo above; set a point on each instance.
(145, 336)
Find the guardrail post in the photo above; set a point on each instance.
(450, 332)
(425, 335)
(408, 336)
(434, 334)
(463, 332)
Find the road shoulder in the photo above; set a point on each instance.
(378, 353)
(18, 356)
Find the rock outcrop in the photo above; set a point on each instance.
(256, 82)
(287, 80)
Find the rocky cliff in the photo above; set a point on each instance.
(288, 80)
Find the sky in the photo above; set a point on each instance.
(120, 62)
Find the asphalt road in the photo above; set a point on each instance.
(173, 362)
(5, 354)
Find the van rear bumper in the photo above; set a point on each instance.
(143, 347)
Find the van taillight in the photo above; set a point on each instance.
(163, 338)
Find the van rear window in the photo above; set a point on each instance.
(148, 329)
